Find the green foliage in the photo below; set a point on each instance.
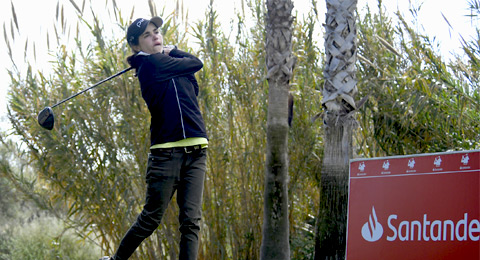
(415, 103)
(27, 232)
(89, 169)
(232, 96)
(93, 161)
(45, 239)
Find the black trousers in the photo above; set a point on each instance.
(170, 170)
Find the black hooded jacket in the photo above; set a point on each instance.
(170, 90)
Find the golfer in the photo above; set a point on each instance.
(177, 159)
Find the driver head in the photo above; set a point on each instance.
(46, 118)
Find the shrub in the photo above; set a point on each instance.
(45, 239)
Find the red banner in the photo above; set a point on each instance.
(415, 207)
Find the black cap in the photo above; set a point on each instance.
(138, 27)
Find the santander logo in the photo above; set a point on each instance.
(372, 230)
(423, 229)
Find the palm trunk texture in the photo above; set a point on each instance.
(338, 99)
(280, 63)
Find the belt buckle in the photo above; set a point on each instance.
(191, 149)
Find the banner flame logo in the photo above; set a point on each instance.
(372, 230)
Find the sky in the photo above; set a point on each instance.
(34, 24)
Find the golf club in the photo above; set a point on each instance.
(46, 119)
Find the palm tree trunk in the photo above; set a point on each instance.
(338, 99)
(332, 219)
(280, 62)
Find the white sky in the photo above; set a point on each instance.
(37, 17)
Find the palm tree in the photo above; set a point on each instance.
(338, 100)
(280, 63)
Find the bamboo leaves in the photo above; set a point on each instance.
(80, 11)
(91, 168)
(15, 20)
(153, 8)
(417, 94)
(388, 46)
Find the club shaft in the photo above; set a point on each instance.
(96, 84)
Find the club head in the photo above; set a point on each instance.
(46, 119)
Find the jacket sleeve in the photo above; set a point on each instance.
(192, 79)
(178, 63)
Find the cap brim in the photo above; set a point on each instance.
(157, 21)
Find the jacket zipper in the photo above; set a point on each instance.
(180, 109)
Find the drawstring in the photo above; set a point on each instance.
(179, 108)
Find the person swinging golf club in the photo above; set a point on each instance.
(177, 159)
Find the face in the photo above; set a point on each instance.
(151, 41)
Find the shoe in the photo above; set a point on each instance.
(106, 258)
